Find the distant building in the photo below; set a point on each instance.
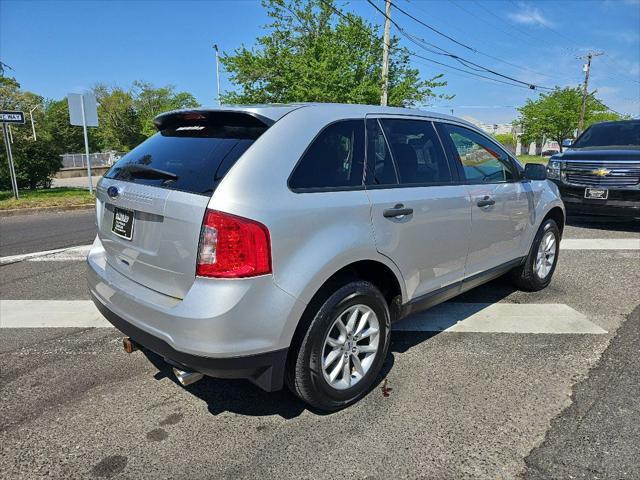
(491, 128)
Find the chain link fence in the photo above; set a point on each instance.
(76, 160)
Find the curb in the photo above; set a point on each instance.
(32, 211)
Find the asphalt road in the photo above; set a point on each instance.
(34, 233)
(462, 405)
(598, 436)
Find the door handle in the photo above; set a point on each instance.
(398, 211)
(486, 201)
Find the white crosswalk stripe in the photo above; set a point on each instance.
(499, 318)
(78, 253)
(50, 314)
(600, 244)
(448, 317)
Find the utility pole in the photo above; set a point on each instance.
(12, 172)
(215, 47)
(587, 69)
(385, 54)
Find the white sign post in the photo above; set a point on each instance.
(83, 112)
(11, 117)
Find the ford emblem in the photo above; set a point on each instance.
(113, 191)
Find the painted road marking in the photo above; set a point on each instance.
(79, 253)
(448, 317)
(600, 244)
(50, 314)
(499, 318)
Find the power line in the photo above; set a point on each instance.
(560, 34)
(468, 47)
(462, 60)
(573, 42)
(422, 57)
(504, 23)
(610, 60)
(434, 29)
(514, 28)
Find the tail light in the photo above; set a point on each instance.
(232, 247)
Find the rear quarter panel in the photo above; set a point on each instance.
(313, 235)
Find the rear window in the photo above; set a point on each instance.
(191, 159)
(610, 135)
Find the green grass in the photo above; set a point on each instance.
(533, 159)
(46, 197)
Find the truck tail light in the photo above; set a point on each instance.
(232, 247)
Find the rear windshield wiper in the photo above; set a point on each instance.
(144, 171)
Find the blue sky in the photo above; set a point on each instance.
(58, 46)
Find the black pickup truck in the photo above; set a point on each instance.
(599, 174)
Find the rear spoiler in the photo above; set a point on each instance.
(230, 118)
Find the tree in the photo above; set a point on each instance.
(313, 55)
(35, 162)
(555, 115)
(120, 126)
(126, 116)
(150, 102)
(65, 138)
(507, 140)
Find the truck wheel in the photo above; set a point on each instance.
(536, 272)
(343, 350)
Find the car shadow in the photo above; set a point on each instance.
(621, 224)
(236, 396)
(244, 398)
(467, 304)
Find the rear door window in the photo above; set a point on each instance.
(335, 159)
(191, 158)
(380, 167)
(417, 152)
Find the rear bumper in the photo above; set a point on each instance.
(621, 202)
(265, 370)
(222, 328)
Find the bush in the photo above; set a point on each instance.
(507, 140)
(35, 162)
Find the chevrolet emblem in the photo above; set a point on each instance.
(601, 172)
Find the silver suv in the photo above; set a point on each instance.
(279, 243)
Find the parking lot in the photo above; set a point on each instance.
(496, 383)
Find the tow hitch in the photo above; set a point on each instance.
(129, 345)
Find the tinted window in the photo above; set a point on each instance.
(334, 159)
(189, 158)
(610, 134)
(417, 152)
(380, 168)
(482, 160)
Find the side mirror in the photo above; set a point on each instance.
(567, 142)
(535, 171)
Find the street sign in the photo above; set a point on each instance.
(90, 109)
(11, 117)
(83, 112)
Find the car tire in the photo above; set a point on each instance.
(531, 276)
(313, 360)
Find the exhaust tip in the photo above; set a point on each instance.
(186, 378)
